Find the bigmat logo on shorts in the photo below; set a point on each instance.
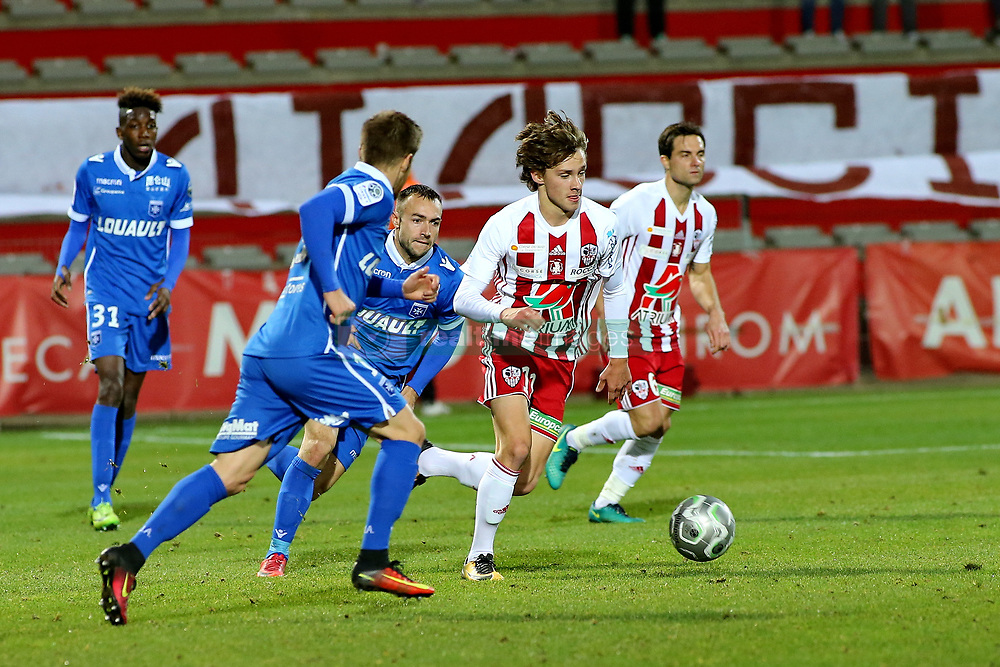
(238, 429)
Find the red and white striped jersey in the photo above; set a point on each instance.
(659, 244)
(556, 270)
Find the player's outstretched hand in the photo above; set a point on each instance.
(62, 281)
(160, 303)
(421, 285)
(526, 318)
(616, 377)
(718, 333)
(340, 305)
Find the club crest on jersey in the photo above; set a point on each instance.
(676, 249)
(641, 389)
(95, 338)
(588, 254)
(418, 309)
(368, 192)
(511, 375)
(556, 265)
(155, 208)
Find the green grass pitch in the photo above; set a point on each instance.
(867, 533)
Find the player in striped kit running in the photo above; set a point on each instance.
(548, 255)
(667, 230)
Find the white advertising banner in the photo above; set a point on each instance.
(893, 136)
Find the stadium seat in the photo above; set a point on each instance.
(735, 240)
(740, 48)
(64, 69)
(934, 231)
(798, 236)
(105, 7)
(34, 8)
(355, 58)
(458, 249)
(206, 64)
(417, 56)
(317, 4)
(483, 55)
(248, 257)
(860, 234)
(885, 43)
(245, 4)
(818, 45)
(986, 230)
(175, 6)
(277, 61)
(551, 53)
(689, 48)
(615, 51)
(951, 40)
(284, 253)
(137, 66)
(11, 72)
(26, 263)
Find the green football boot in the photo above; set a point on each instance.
(561, 458)
(611, 514)
(103, 517)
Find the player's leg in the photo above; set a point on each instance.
(297, 490)
(467, 467)
(651, 421)
(258, 419)
(132, 385)
(391, 483)
(630, 421)
(103, 429)
(496, 488)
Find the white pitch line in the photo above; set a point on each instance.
(725, 453)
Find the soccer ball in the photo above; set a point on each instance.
(702, 528)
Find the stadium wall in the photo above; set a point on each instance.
(794, 314)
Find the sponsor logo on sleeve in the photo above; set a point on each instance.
(369, 192)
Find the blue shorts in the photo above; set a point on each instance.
(275, 398)
(112, 332)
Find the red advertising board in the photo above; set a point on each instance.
(933, 308)
(793, 316)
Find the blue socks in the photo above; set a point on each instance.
(392, 481)
(293, 503)
(187, 502)
(280, 462)
(103, 425)
(123, 439)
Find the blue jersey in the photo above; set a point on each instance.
(130, 214)
(394, 334)
(343, 237)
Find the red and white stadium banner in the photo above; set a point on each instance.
(894, 135)
(793, 318)
(793, 314)
(933, 308)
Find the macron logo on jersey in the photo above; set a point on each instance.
(368, 193)
(124, 227)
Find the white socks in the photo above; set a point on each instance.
(610, 428)
(631, 462)
(467, 468)
(495, 491)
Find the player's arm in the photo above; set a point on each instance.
(470, 302)
(705, 293)
(180, 247)
(75, 237)
(318, 218)
(437, 355)
(616, 376)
